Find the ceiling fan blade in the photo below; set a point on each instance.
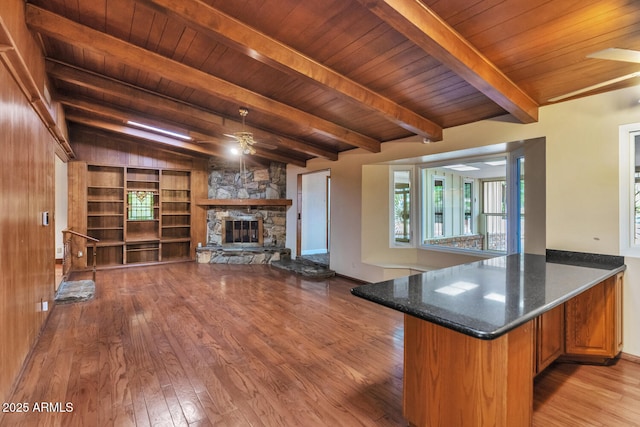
(266, 145)
(230, 135)
(616, 54)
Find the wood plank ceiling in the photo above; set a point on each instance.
(320, 78)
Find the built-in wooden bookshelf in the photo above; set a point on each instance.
(175, 194)
(105, 213)
(162, 231)
(142, 236)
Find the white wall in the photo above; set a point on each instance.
(581, 186)
(61, 205)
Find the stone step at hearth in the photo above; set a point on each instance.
(75, 291)
(304, 267)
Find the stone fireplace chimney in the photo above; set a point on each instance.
(252, 235)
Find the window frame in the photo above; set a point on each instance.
(140, 208)
(472, 206)
(627, 165)
(393, 243)
(431, 232)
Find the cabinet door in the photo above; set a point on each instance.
(593, 323)
(549, 337)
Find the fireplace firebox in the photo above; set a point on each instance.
(242, 231)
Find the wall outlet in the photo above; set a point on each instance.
(58, 250)
(45, 305)
(80, 254)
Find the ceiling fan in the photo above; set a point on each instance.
(245, 138)
(612, 54)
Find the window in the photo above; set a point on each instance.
(140, 205)
(467, 227)
(401, 207)
(494, 212)
(438, 207)
(629, 154)
(464, 205)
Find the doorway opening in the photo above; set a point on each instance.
(314, 219)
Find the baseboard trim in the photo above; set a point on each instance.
(630, 357)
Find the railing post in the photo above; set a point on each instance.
(67, 250)
(95, 254)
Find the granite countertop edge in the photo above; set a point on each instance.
(610, 266)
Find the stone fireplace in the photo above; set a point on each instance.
(243, 227)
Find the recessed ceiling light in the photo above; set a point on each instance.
(461, 168)
(158, 130)
(496, 162)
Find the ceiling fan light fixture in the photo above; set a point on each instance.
(244, 138)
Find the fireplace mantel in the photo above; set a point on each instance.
(244, 202)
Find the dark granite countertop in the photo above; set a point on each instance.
(486, 299)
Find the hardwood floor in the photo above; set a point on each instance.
(227, 345)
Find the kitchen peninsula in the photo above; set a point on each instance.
(477, 334)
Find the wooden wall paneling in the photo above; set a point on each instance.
(41, 242)
(199, 189)
(77, 210)
(13, 234)
(27, 189)
(98, 148)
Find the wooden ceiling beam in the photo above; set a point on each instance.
(94, 108)
(83, 37)
(267, 50)
(426, 29)
(215, 124)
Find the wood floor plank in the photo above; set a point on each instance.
(230, 345)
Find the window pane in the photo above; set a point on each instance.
(636, 190)
(438, 207)
(140, 205)
(495, 214)
(495, 197)
(468, 207)
(402, 206)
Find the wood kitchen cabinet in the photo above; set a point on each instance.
(550, 337)
(593, 323)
